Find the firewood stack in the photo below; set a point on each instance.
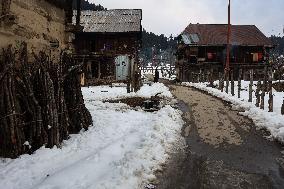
(41, 103)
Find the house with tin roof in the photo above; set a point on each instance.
(109, 45)
(203, 47)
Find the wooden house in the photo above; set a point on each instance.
(109, 45)
(44, 25)
(203, 46)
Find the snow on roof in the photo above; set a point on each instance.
(116, 20)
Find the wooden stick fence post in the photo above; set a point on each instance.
(270, 101)
(240, 83)
(198, 78)
(250, 85)
(227, 83)
(211, 78)
(257, 93)
(220, 82)
(265, 78)
(201, 75)
(223, 83)
(206, 76)
(262, 96)
(232, 83)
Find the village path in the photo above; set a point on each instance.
(224, 148)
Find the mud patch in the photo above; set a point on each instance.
(254, 163)
(132, 102)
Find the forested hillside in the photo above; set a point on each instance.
(86, 5)
(279, 42)
(153, 44)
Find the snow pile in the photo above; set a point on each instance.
(108, 93)
(122, 150)
(272, 121)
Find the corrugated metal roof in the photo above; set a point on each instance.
(117, 20)
(216, 34)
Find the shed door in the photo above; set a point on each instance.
(122, 67)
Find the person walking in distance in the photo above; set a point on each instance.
(156, 78)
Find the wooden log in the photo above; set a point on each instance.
(128, 85)
(45, 95)
(201, 75)
(232, 83)
(80, 117)
(250, 86)
(262, 96)
(227, 82)
(211, 79)
(22, 115)
(220, 81)
(257, 93)
(198, 78)
(32, 101)
(207, 79)
(56, 71)
(270, 101)
(239, 84)
(265, 79)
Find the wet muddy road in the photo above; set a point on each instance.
(224, 149)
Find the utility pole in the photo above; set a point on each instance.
(78, 16)
(227, 68)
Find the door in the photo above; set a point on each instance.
(122, 67)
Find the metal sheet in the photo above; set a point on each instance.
(186, 39)
(117, 20)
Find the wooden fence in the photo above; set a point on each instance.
(41, 102)
(264, 86)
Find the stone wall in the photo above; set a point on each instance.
(36, 22)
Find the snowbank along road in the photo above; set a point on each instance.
(123, 149)
(224, 148)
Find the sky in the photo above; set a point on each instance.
(172, 16)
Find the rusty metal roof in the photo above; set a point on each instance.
(117, 20)
(216, 34)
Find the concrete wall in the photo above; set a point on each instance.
(37, 23)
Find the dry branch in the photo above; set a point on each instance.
(41, 102)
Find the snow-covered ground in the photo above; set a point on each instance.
(164, 71)
(272, 121)
(119, 91)
(122, 150)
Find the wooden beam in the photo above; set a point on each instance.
(78, 16)
(228, 38)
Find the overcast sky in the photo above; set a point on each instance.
(172, 16)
